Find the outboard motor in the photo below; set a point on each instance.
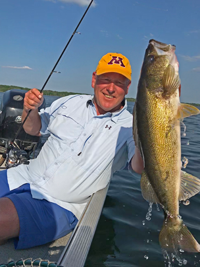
(10, 121)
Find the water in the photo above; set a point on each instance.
(128, 231)
(124, 236)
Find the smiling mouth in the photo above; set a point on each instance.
(109, 96)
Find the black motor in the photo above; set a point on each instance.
(10, 121)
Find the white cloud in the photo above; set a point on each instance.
(150, 36)
(190, 59)
(105, 33)
(192, 32)
(196, 69)
(79, 2)
(119, 37)
(14, 67)
(195, 31)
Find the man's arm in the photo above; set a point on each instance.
(137, 163)
(32, 100)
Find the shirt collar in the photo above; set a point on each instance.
(117, 114)
(114, 115)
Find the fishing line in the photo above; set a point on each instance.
(21, 126)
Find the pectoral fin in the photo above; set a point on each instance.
(186, 110)
(171, 81)
(190, 186)
(147, 189)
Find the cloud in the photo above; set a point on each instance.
(195, 31)
(105, 33)
(196, 69)
(190, 59)
(192, 32)
(119, 37)
(14, 67)
(150, 36)
(149, 7)
(79, 2)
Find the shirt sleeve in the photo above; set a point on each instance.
(45, 118)
(131, 152)
(48, 114)
(124, 155)
(131, 148)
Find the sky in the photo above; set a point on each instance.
(33, 33)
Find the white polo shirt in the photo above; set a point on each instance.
(80, 155)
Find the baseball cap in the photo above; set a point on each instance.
(114, 62)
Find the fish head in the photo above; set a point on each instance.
(160, 69)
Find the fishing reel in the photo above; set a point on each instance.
(16, 146)
(14, 156)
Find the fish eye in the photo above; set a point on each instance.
(151, 58)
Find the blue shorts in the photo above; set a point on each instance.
(40, 221)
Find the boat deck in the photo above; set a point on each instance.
(51, 251)
(70, 250)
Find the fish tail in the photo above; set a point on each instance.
(175, 237)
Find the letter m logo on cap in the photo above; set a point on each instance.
(116, 60)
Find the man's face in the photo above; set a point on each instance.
(109, 91)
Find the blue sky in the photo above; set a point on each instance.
(34, 33)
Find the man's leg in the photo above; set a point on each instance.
(32, 221)
(40, 221)
(9, 221)
(4, 187)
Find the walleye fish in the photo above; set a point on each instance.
(157, 115)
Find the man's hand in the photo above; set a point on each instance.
(33, 99)
(137, 163)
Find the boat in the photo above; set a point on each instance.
(70, 250)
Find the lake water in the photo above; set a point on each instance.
(124, 237)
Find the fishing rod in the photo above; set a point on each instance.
(21, 126)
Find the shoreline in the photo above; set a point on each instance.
(4, 88)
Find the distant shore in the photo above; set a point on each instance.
(4, 88)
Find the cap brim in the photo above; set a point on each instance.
(115, 70)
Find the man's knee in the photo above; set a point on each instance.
(9, 220)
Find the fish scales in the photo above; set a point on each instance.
(157, 116)
(161, 147)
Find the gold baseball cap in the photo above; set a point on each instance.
(114, 62)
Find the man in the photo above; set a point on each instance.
(90, 139)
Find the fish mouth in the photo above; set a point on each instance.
(168, 50)
(162, 47)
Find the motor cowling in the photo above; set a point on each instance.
(10, 121)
